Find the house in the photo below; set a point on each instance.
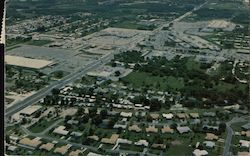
(244, 143)
(209, 114)
(93, 137)
(120, 124)
(111, 140)
(167, 129)
(198, 152)
(184, 129)
(151, 129)
(12, 148)
(182, 115)
(154, 116)
(31, 110)
(134, 128)
(245, 133)
(126, 114)
(212, 128)
(76, 134)
(168, 116)
(246, 126)
(142, 143)
(48, 146)
(61, 130)
(72, 122)
(159, 146)
(123, 141)
(75, 153)
(194, 115)
(93, 154)
(209, 144)
(62, 150)
(34, 143)
(211, 136)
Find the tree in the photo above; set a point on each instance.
(103, 113)
(222, 127)
(55, 91)
(117, 73)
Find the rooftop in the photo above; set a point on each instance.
(111, 140)
(32, 143)
(26, 62)
(47, 146)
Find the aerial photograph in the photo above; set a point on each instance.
(127, 78)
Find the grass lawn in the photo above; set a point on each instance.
(224, 87)
(41, 126)
(237, 126)
(140, 79)
(12, 47)
(180, 150)
(38, 42)
(192, 65)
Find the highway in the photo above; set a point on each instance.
(230, 133)
(67, 79)
(75, 75)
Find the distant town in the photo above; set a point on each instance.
(122, 77)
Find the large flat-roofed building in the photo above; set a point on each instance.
(27, 62)
(31, 110)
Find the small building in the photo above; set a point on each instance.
(244, 143)
(159, 146)
(134, 128)
(142, 143)
(123, 141)
(48, 146)
(93, 137)
(72, 122)
(184, 129)
(34, 143)
(154, 116)
(111, 140)
(167, 129)
(31, 110)
(211, 136)
(62, 150)
(75, 153)
(12, 148)
(198, 152)
(76, 134)
(209, 114)
(194, 115)
(182, 115)
(245, 133)
(93, 154)
(212, 128)
(126, 114)
(168, 116)
(209, 144)
(61, 130)
(151, 129)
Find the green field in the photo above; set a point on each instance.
(41, 126)
(140, 79)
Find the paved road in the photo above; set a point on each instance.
(45, 91)
(230, 134)
(95, 149)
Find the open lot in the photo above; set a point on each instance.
(66, 60)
